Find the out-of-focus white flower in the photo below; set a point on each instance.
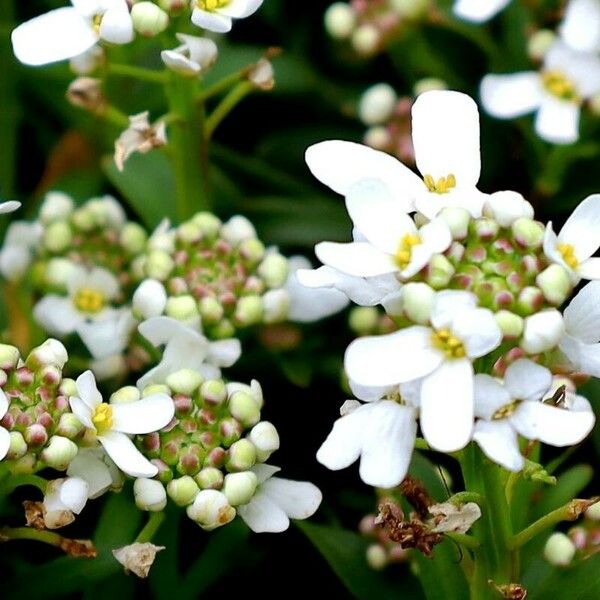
(277, 500)
(185, 348)
(555, 93)
(478, 11)
(516, 407)
(68, 32)
(140, 137)
(194, 55)
(21, 240)
(218, 15)
(580, 28)
(113, 422)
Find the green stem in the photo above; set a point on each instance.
(152, 526)
(468, 541)
(159, 77)
(235, 96)
(28, 533)
(464, 497)
(187, 143)
(15, 481)
(220, 86)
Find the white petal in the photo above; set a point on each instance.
(107, 336)
(378, 215)
(211, 21)
(57, 315)
(387, 444)
(590, 268)
(82, 411)
(159, 330)
(74, 494)
(359, 259)
(86, 465)
(143, 416)
(584, 357)
(126, 456)
(445, 133)
(224, 353)
(340, 165)
(582, 68)
(448, 303)
(580, 27)
(179, 63)
(447, 405)
(499, 443)
(88, 391)
(4, 404)
(542, 331)
(557, 121)
(298, 499)
(343, 444)
(57, 35)
(478, 11)
(4, 442)
(8, 207)
(430, 204)
(526, 380)
(264, 472)
(582, 229)
(552, 425)
(478, 331)
(582, 316)
(391, 359)
(240, 9)
(369, 393)
(489, 396)
(103, 281)
(552, 253)
(116, 25)
(202, 51)
(510, 96)
(262, 515)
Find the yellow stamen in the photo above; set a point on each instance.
(451, 346)
(506, 410)
(103, 418)
(404, 253)
(568, 254)
(557, 84)
(88, 300)
(442, 186)
(212, 5)
(96, 22)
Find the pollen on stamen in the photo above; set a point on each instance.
(568, 254)
(442, 186)
(403, 255)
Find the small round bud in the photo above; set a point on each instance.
(69, 425)
(56, 207)
(240, 487)
(182, 490)
(156, 388)
(530, 300)
(9, 357)
(36, 435)
(51, 352)
(243, 407)
(17, 447)
(59, 452)
(242, 456)
(378, 137)
(159, 265)
(214, 391)
(366, 39)
(211, 310)
(528, 233)
(377, 104)
(182, 308)
(210, 478)
(149, 299)
(363, 319)
(254, 389)
(211, 510)
(265, 438)
(417, 301)
(593, 512)
(559, 550)
(458, 220)
(237, 229)
(125, 395)
(539, 43)
(439, 271)
(172, 6)
(58, 271)
(510, 324)
(185, 381)
(148, 19)
(410, 9)
(84, 218)
(133, 238)
(58, 236)
(429, 84)
(555, 283)
(507, 207)
(542, 331)
(249, 311)
(209, 224)
(149, 495)
(276, 305)
(252, 249)
(377, 557)
(340, 20)
(274, 270)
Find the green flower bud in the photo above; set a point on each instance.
(366, 39)
(238, 229)
(211, 310)
(9, 357)
(58, 271)
(510, 324)
(156, 388)
(133, 238)
(274, 270)
(363, 320)
(252, 250)
(539, 43)
(58, 236)
(242, 407)
(208, 223)
(189, 232)
(593, 512)
(210, 478)
(149, 495)
(458, 220)
(182, 490)
(559, 550)
(69, 425)
(50, 353)
(56, 207)
(149, 19)
(172, 6)
(265, 438)
(530, 300)
(159, 265)
(254, 389)
(417, 301)
(377, 104)
(214, 391)
(223, 330)
(241, 456)
(182, 308)
(555, 283)
(240, 487)
(125, 395)
(211, 510)
(84, 218)
(185, 381)
(377, 557)
(249, 311)
(410, 9)
(59, 453)
(340, 20)
(428, 84)
(528, 233)
(68, 387)
(17, 447)
(439, 271)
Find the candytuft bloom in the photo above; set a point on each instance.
(218, 15)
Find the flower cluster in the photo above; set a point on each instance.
(473, 284)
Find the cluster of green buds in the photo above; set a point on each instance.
(43, 431)
(206, 455)
(219, 274)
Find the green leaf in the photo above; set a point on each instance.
(345, 552)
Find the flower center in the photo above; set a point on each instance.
(405, 247)
(442, 186)
(506, 410)
(557, 84)
(103, 418)
(451, 346)
(568, 253)
(212, 5)
(88, 300)
(96, 22)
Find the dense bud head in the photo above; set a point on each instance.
(149, 494)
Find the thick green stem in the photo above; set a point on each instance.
(235, 96)
(187, 147)
(152, 526)
(159, 77)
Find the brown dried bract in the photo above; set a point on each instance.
(78, 548)
(416, 494)
(137, 558)
(34, 514)
(510, 591)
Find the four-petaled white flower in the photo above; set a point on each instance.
(185, 348)
(113, 422)
(440, 356)
(445, 134)
(566, 79)
(67, 32)
(517, 407)
(574, 246)
(193, 55)
(218, 15)
(478, 11)
(277, 500)
(4, 434)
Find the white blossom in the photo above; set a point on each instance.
(478, 11)
(194, 55)
(218, 15)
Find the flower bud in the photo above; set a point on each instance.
(276, 305)
(156, 388)
(17, 447)
(539, 43)
(542, 331)
(211, 510)
(69, 425)
(209, 224)
(439, 271)
(148, 19)
(417, 300)
(429, 84)
(555, 283)
(159, 265)
(559, 550)
(214, 391)
(363, 319)
(149, 299)
(249, 311)
(172, 6)
(51, 352)
(84, 219)
(410, 9)
(366, 39)
(510, 324)
(125, 395)
(530, 300)
(9, 357)
(340, 20)
(58, 236)
(252, 250)
(210, 478)
(528, 233)
(262, 75)
(458, 220)
(377, 557)
(133, 238)
(593, 512)
(237, 229)
(182, 308)
(254, 389)
(377, 104)
(378, 137)
(506, 207)
(59, 452)
(182, 490)
(56, 207)
(240, 487)
(265, 438)
(185, 381)
(243, 407)
(36, 435)
(58, 271)
(211, 310)
(149, 495)
(274, 270)
(242, 456)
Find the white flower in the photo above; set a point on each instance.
(478, 11)
(64, 497)
(140, 137)
(440, 356)
(580, 342)
(112, 423)
(194, 55)
(580, 28)
(577, 241)
(276, 501)
(218, 15)
(4, 434)
(445, 134)
(516, 407)
(555, 93)
(108, 336)
(382, 433)
(185, 348)
(67, 32)
(20, 242)
(90, 295)
(97, 469)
